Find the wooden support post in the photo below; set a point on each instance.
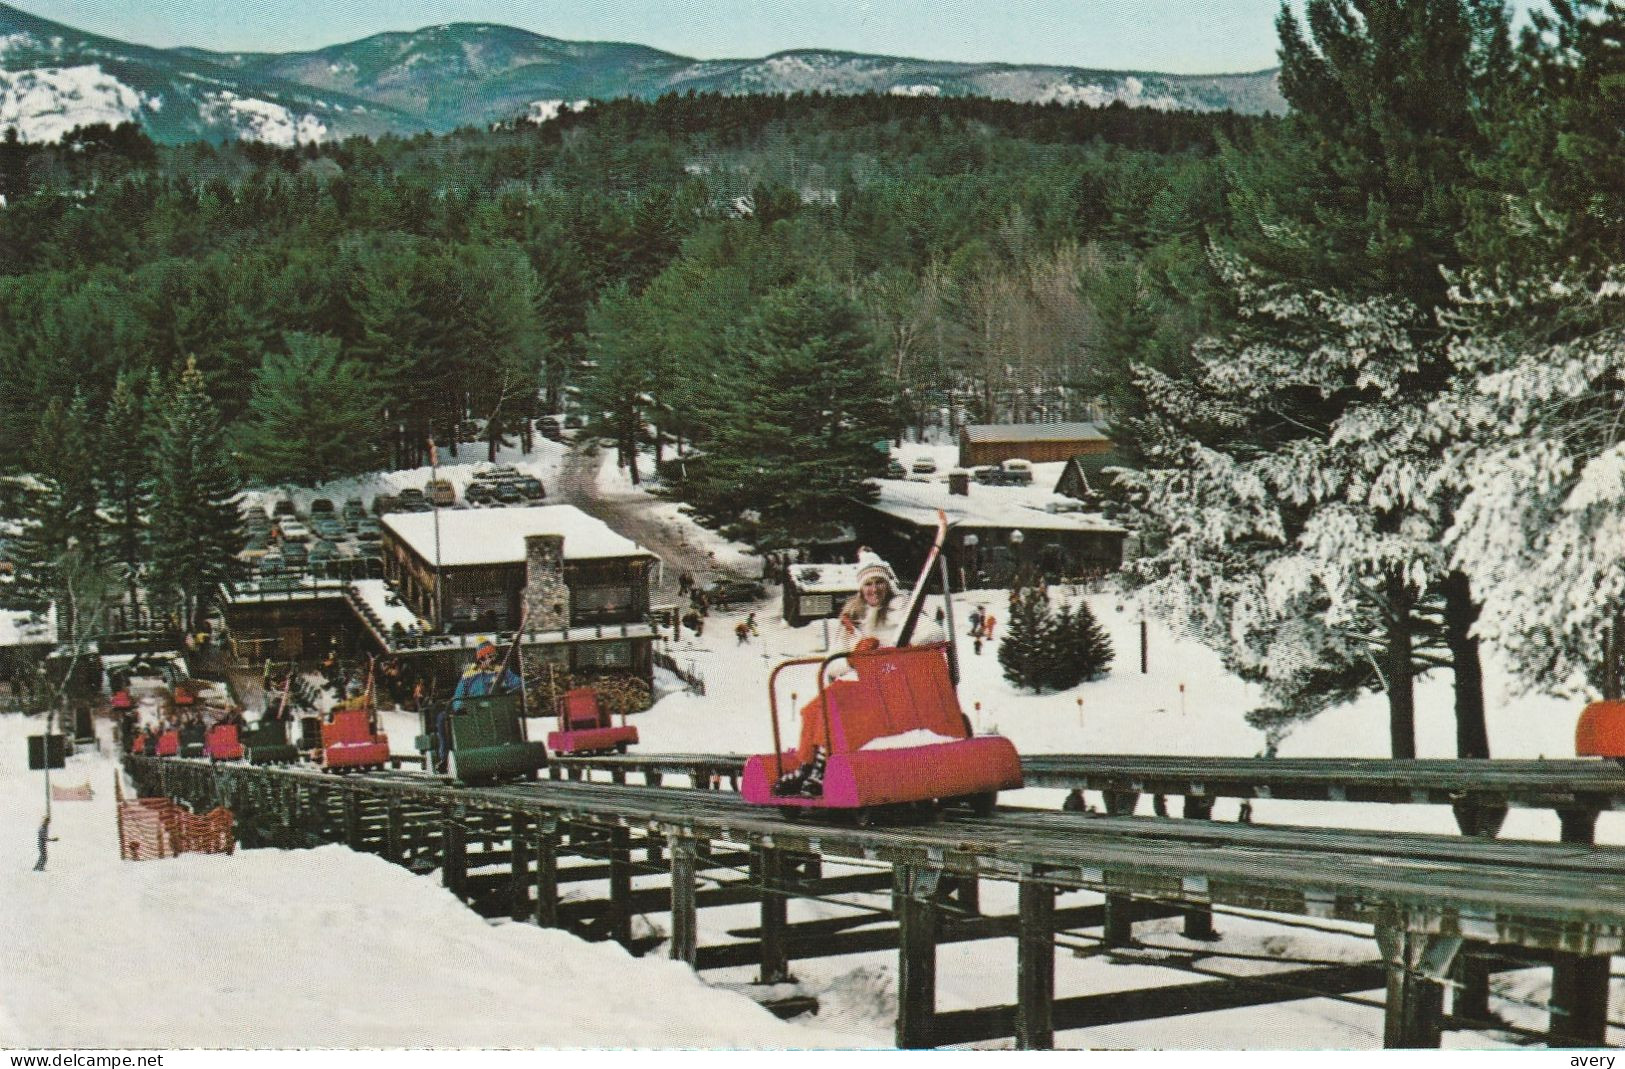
(352, 821)
(395, 833)
(1118, 927)
(547, 874)
(620, 885)
(684, 940)
(1413, 1016)
(1199, 919)
(913, 889)
(295, 821)
(1470, 995)
(454, 851)
(1035, 968)
(768, 864)
(653, 778)
(1579, 1001)
(519, 847)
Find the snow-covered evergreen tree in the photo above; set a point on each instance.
(196, 529)
(1291, 476)
(1541, 527)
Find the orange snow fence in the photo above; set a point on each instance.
(158, 827)
(81, 793)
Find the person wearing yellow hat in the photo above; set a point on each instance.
(485, 676)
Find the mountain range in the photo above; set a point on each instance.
(54, 77)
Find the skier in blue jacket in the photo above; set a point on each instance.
(485, 676)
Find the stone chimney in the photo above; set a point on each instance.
(959, 483)
(547, 599)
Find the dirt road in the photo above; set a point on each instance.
(631, 516)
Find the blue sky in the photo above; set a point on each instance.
(1194, 36)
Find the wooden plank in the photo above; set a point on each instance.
(620, 885)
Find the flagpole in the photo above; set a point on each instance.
(434, 477)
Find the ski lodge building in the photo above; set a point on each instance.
(457, 576)
(994, 531)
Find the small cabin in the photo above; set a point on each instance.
(1041, 443)
(817, 591)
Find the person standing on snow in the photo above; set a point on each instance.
(485, 676)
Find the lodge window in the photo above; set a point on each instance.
(604, 655)
(589, 604)
(817, 604)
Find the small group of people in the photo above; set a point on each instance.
(981, 627)
(746, 629)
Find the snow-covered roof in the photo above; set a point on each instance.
(985, 506)
(1035, 432)
(384, 603)
(827, 578)
(27, 629)
(497, 536)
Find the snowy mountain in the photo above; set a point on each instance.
(53, 77)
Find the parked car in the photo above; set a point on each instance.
(924, 466)
(385, 503)
(321, 507)
(294, 531)
(1018, 472)
(733, 591)
(478, 493)
(368, 531)
(507, 494)
(409, 499)
(440, 492)
(284, 507)
(530, 488)
(548, 427)
(328, 528)
(895, 470)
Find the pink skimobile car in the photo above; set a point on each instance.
(585, 729)
(896, 736)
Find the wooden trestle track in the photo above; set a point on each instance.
(1445, 910)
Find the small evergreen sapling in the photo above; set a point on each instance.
(1027, 651)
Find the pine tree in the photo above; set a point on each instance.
(1029, 651)
(1084, 651)
(126, 475)
(196, 529)
(1539, 527)
(314, 415)
(795, 443)
(1305, 428)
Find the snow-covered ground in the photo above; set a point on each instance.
(288, 948)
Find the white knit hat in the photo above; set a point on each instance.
(870, 565)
